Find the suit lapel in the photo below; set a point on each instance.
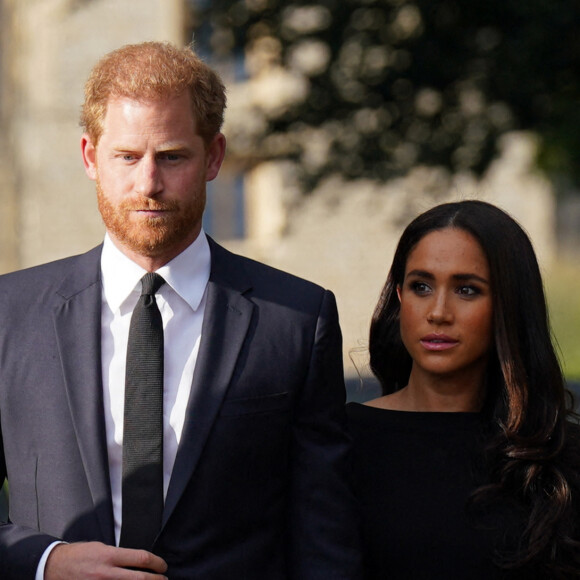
(226, 321)
(77, 320)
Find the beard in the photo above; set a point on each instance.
(151, 236)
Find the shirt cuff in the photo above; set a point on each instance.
(42, 563)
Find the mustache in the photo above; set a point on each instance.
(147, 204)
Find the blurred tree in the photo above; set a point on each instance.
(395, 83)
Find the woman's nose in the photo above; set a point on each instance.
(440, 311)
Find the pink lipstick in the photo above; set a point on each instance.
(438, 342)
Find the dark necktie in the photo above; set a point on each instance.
(142, 493)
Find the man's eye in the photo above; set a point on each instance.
(170, 156)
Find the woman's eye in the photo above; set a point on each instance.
(420, 287)
(468, 290)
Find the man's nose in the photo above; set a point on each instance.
(148, 178)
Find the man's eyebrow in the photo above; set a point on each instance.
(123, 148)
(172, 147)
(167, 147)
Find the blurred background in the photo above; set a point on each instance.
(346, 119)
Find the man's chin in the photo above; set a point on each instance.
(151, 248)
(153, 237)
(154, 242)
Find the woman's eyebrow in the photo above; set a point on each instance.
(466, 277)
(420, 274)
(463, 277)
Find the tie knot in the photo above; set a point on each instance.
(150, 283)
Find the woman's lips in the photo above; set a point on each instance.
(438, 342)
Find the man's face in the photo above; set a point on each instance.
(151, 169)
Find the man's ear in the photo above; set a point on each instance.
(216, 152)
(89, 154)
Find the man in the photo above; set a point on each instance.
(253, 455)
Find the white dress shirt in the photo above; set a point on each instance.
(181, 301)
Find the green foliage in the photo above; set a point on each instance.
(394, 83)
(564, 303)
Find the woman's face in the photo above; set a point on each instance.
(446, 306)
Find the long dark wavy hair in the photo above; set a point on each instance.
(533, 454)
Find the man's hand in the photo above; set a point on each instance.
(96, 561)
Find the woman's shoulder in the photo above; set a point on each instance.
(572, 436)
(378, 409)
(374, 408)
(378, 415)
(356, 412)
(363, 417)
(569, 458)
(573, 426)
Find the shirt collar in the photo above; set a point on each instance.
(187, 274)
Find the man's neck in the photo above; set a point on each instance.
(152, 262)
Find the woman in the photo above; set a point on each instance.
(469, 466)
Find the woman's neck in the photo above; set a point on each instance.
(458, 394)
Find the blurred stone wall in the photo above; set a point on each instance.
(48, 48)
(342, 235)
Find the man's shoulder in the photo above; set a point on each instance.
(261, 275)
(51, 273)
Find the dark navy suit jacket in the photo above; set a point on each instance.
(259, 488)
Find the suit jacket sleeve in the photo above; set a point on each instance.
(323, 520)
(38, 451)
(20, 548)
